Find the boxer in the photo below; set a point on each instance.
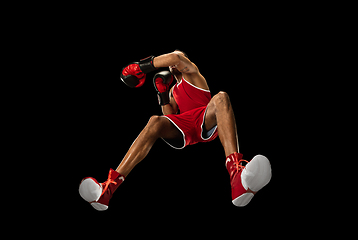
(190, 115)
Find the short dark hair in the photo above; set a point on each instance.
(186, 55)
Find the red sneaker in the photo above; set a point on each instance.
(99, 194)
(247, 180)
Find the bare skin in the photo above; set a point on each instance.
(157, 127)
(219, 112)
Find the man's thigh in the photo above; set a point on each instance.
(168, 130)
(210, 116)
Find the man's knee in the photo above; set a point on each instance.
(222, 98)
(156, 123)
(154, 120)
(153, 126)
(158, 126)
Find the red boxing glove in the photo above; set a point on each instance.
(162, 81)
(134, 74)
(163, 85)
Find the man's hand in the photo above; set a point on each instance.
(162, 81)
(134, 74)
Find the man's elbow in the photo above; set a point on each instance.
(174, 58)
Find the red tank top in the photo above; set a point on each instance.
(189, 97)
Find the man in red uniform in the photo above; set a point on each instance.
(190, 116)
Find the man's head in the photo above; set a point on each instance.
(173, 69)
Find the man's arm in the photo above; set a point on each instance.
(172, 107)
(189, 70)
(177, 59)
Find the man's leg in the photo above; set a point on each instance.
(157, 127)
(99, 194)
(220, 113)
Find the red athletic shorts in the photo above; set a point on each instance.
(191, 125)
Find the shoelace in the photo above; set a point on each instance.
(237, 165)
(107, 182)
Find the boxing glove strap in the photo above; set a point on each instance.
(163, 98)
(146, 65)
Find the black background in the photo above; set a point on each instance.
(96, 117)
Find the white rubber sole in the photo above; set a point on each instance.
(99, 206)
(243, 200)
(90, 190)
(257, 173)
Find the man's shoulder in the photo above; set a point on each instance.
(196, 79)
